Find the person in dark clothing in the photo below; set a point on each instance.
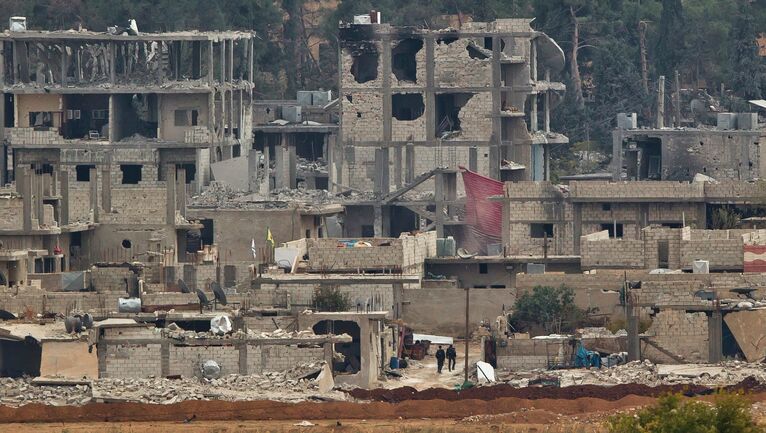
(451, 357)
(440, 359)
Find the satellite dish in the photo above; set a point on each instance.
(73, 325)
(220, 296)
(202, 297)
(87, 321)
(183, 286)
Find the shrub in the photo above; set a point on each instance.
(729, 414)
(331, 299)
(551, 308)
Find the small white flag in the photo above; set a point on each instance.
(252, 247)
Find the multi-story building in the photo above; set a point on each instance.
(105, 135)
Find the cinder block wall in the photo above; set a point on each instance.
(682, 334)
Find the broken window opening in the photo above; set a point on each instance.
(85, 116)
(41, 119)
(135, 116)
(236, 150)
(365, 67)
(207, 234)
(404, 63)
(190, 169)
(310, 146)
(185, 117)
(540, 230)
(611, 229)
(83, 172)
(446, 40)
(351, 361)
(448, 106)
(476, 52)
(407, 106)
(131, 173)
(43, 168)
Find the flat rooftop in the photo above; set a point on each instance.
(191, 35)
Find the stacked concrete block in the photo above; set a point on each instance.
(110, 279)
(134, 204)
(197, 135)
(722, 254)
(31, 136)
(284, 357)
(613, 191)
(420, 73)
(475, 122)
(683, 334)
(408, 130)
(597, 252)
(11, 212)
(362, 116)
(454, 67)
(347, 61)
(186, 360)
(126, 361)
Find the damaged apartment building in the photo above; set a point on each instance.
(416, 105)
(105, 137)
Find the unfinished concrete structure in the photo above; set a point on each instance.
(105, 136)
(543, 218)
(414, 100)
(296, 138)
(729, 150)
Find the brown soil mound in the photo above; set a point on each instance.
(610, 393)
(269, 410)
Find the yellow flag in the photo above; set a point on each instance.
(269, 238)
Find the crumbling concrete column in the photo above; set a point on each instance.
(439, 202)
(94, 192)
(506, 226)
(3, 151)
(39, 202)
(106, 188)
(715, 336)
(24, 182)
(661, 102)
(181, 190)
(634, 342)
(292, 163)
(533, 127)
(409, 160)
(64, 215)
(378, 221)
(170, 187)
(398, 167)
(577, 226)
(266, 179)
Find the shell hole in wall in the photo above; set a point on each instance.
(126, 243)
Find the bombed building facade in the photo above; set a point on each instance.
(145, 187)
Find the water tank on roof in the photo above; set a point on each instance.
(17, 24)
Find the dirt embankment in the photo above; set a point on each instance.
(401, 403)
(609, 393)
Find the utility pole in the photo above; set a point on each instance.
(467, 304)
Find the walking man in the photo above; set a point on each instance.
(440, 359)
(451, 357)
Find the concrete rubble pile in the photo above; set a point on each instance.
(316, 166)
(288, 386)
(646, 373)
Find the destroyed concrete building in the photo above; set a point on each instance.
(106, 136)
(417, 104)
(730, 150)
